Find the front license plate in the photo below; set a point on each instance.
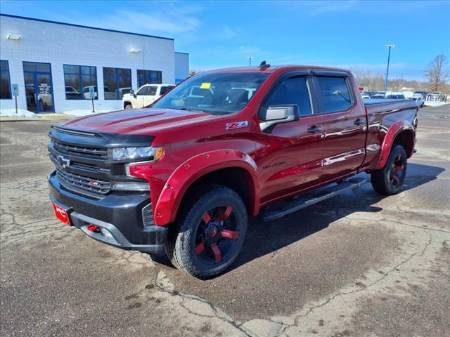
(61, 214)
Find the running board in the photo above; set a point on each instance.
(311, 198)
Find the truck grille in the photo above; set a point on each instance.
(92, 152)
(76, 182)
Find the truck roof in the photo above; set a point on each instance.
(281, 68)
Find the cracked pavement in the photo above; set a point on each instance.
(356, 265)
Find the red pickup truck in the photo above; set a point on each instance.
(183, 176)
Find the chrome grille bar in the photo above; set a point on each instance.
(84, 183)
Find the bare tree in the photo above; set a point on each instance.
(437, 73)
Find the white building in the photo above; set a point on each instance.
(58, 66)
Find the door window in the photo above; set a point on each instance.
(152, 90)
(143, 91)
(164, 90)
(333, 94)
(293, 90)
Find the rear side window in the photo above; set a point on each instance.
(333, 94)
(142, 91)
(292, 91)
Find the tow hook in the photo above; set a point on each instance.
(93, 228)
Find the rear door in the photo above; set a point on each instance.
(343, 124)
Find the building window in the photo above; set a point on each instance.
(5, 83)
(149, 77)
(116, 82)
(78, 80)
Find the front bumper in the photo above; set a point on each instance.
(119, 217)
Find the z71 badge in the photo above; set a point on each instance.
(236, 125)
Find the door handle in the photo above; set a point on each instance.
(314, 129)
(359, 122)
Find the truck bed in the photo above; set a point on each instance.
(388, 105)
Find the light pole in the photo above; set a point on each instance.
(389, 46)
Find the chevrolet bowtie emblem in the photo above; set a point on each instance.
(64, 162)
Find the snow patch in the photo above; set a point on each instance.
(434, 104)
(20, 113)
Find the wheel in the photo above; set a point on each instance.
(389, 180)
(128, 106)
(211, 234)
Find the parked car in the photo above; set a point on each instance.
(146, 95)
(184, 176)
(422, 93)
(378, 95)
(419, 99)
(395, 96)
(72, 93)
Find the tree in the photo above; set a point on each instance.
(437, 73)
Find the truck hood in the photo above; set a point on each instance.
(142, 121)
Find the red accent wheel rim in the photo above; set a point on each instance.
(217, 235)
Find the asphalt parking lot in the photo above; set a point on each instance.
(359, 265)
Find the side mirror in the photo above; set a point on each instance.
(132, 93)
(277, 114)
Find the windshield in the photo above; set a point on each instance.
(215, 93)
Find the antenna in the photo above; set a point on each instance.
(264, 65)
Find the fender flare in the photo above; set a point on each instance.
(194, 168)
(393, 131)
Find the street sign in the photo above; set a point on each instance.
(15, 92)
(15, 89)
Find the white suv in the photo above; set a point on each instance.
(145, 95)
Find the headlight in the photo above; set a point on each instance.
(122, 153)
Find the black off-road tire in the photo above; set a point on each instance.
(128, 106)
(181, 244)
(382, 181)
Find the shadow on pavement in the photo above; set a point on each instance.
(266, 237)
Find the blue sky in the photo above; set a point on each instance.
(350, 34)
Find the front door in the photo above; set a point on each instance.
(38, 87)
(290, 155)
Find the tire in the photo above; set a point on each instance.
(210, 234)
(128, 106)
(389, 180)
